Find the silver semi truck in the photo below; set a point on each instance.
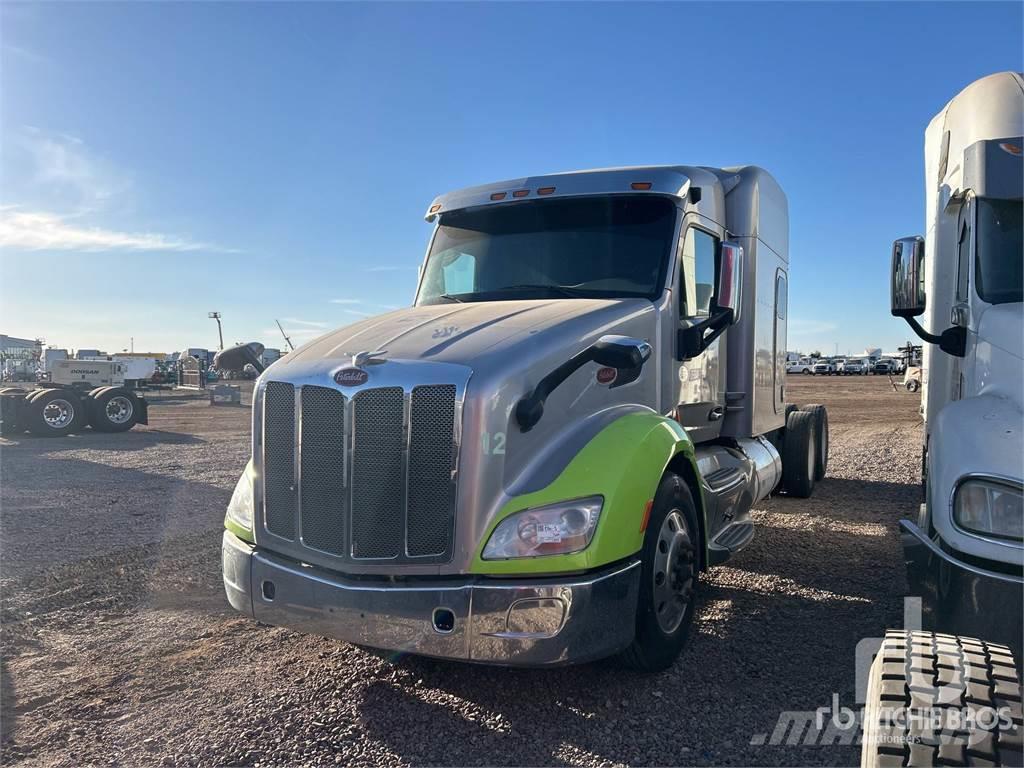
(534, 463)
(936, 697)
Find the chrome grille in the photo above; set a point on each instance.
(360, 478)
(323, 498)
(431, 491)
(378, 477)
(279, 458)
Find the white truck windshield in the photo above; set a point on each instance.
(593, 247)
(1000, 262)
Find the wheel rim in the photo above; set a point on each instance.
(673, 572)
(811, 457)
(119, 409)
(58, 413)
(823, 447)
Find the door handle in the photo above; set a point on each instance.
(716, 413)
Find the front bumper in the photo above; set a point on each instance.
(514, 622)
(960, 597)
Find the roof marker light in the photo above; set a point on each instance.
(498, 195)
(545, 190)
(521, 193)
(641, 185)
(435, 208)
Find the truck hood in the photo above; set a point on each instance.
(462, 333)
(999, 353)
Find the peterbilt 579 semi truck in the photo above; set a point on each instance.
(534, 463)
(964, 549)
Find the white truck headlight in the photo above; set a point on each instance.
(557, 529)
(989, 507)
(241, 504)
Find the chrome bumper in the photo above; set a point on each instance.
(514, 622)
(960, 597)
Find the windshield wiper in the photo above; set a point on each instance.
(451, 297)
(563, 290)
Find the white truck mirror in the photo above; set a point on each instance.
(730, 275)
(908, 295)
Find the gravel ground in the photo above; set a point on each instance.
(119, 647)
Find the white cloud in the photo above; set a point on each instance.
(360, 313)
(388, 269)
(62, 184)
(346, 301)
(64, 167)
(46, 231)
(311, 323)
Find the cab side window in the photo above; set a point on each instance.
(698, 273)
(963, 262)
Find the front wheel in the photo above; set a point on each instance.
(669, 576)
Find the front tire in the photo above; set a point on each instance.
(669, 577)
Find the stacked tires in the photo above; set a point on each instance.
(60, 411)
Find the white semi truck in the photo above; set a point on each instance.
(964, 547)
(534, 463)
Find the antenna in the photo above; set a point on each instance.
(286, 339)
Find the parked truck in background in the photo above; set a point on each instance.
(534, 463)
(963, 547)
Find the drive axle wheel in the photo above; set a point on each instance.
(55, 413)
(669, 576)
(799, 454)
(114, 409)
(821, 437)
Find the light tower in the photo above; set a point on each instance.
(220, 332)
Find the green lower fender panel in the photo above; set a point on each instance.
(623, 463)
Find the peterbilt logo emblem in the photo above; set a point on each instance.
(350, 377)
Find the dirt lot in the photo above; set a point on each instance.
(119, 647)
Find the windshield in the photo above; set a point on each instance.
(1000, 264)
(597, 247)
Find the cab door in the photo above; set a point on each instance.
(701, 381)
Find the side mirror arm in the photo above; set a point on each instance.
(624, 354)
(952, 341)
(531, 407)
(692, 341)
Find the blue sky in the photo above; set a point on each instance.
(274, 161)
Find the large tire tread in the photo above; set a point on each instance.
(933, 673)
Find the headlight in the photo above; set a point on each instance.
(241, 504)
(989, 507)
(553, 530)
